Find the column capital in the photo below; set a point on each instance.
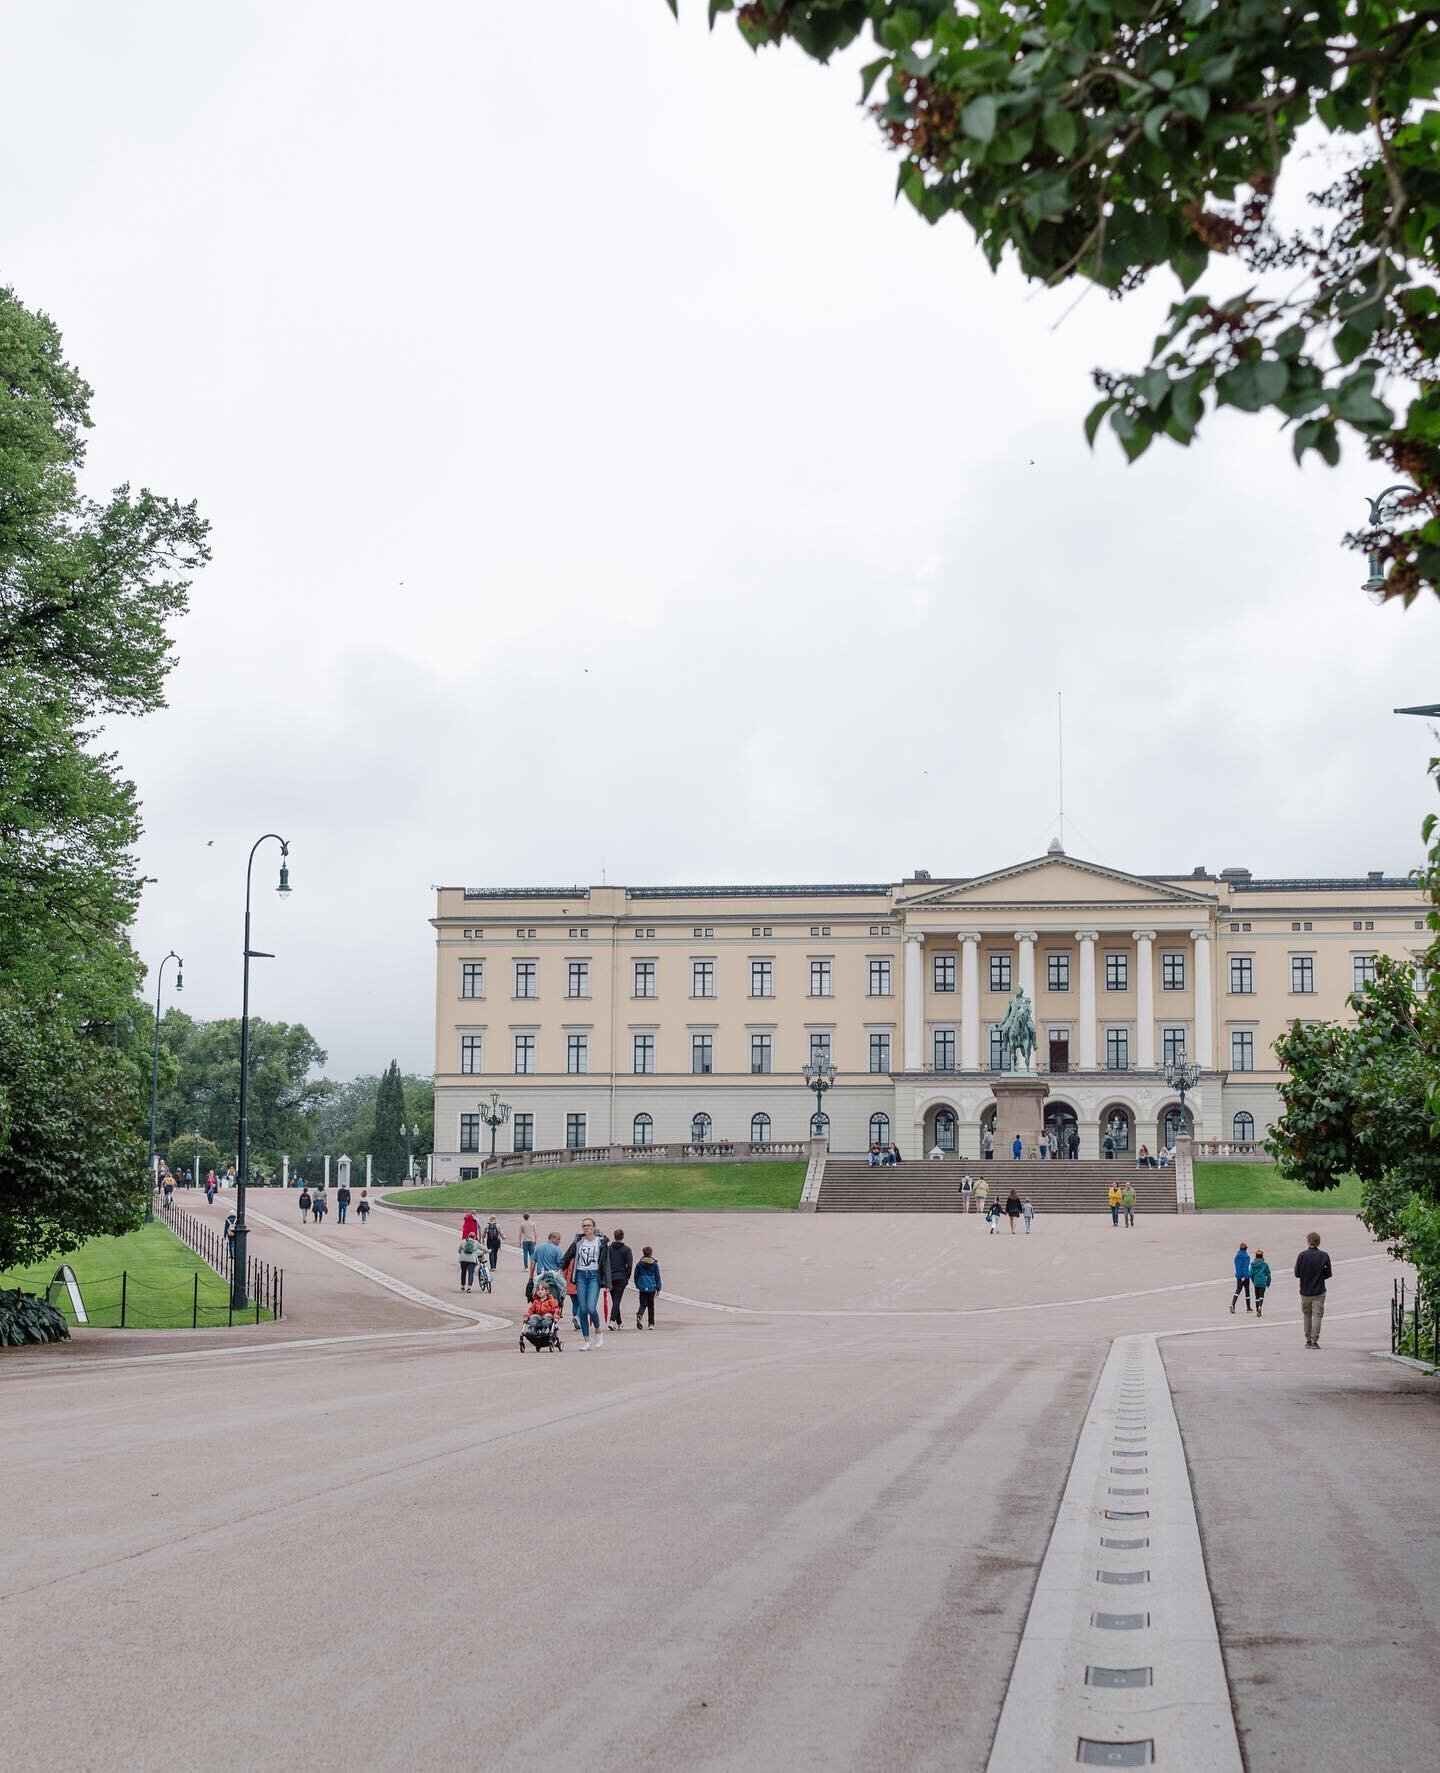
(1143, 935)
(915, 936)
(1087, 935)
(968, 935)
(1200, 935)
(1027, 935)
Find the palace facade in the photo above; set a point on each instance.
(653, 1015)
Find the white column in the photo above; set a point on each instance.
(1204, 1053)
(367, 1169)
(1087, 940)
(1144, 1000)
(914, 1002)
(284, 1172)
(327, 1169)
(1026, 939)
(969, 1000)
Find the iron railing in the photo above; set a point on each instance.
(1414, 1322)
(264, 1283)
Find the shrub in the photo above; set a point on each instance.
(25, 1317)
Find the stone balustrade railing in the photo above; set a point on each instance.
(706, 1151)
(1245, 1150)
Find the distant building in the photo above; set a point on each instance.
(653, 1015)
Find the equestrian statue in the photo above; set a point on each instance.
(1017, 1031)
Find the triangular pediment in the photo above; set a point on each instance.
(1055, 880)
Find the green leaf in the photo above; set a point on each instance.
(1155, 122)
(1355, 401)
(1188, 261)
(1194, 101)
(1291, 342)
(1061, 132)
(869, 74)
(1239, 387)
(978, 118)
(1094, 417)
(1162, 79)
(1271, 380)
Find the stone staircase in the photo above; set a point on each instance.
(932, 1186)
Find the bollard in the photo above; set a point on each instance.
(195, 1302)
(124, 1279)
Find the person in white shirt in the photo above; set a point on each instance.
(590, 1252)
(967, 1193)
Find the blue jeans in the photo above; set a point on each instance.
(587, 1302)
(526, 1252)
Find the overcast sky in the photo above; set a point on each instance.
(606, 475)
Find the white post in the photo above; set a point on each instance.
(969, 1000)
(284, 1172)
(1026, 939)
(367, 1169)
(914, 1002)
(327, 1169)
(1087, 940)
(1204, 1054)
(1144, 1000)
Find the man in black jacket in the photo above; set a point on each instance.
(1312, 1270)
(622, 1263)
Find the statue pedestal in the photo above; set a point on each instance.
(1019, 1108)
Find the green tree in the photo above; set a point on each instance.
(189, 1153)
(1103, 139)
(1365, 1097)
(344, 1119)
(205, 1096)
(387, 1142)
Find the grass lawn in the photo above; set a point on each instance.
(1222, 1187)
(605, 1188)
(159, 1289)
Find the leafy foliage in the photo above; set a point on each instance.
(1367, 1097)
(205, 1095)
(24, 1317)
(201, 1155)
(1103, 139)
(387, 1141)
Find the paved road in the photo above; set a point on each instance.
(746, 1538)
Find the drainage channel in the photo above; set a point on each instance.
(1119, 1664)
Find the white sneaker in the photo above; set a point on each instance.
(599, 1338)
(584, 1348)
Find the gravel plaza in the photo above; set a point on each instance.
(832, 1512)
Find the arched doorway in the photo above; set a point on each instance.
(942, 1128)
(1169, 1129)
(1061, 1119)
(1117, 1124)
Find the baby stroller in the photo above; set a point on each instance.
(541, 1328)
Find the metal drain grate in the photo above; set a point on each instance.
(1116, 1754)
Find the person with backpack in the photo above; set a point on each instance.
(469, 1256)
(967, 1192)
(622, 1262)
(1260, 1278)
(305, 1204)
(362, 1206)
(342, 1202)
(647, 1287)
(1242, 1276)
(494, 1237)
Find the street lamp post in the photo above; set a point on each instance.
(494, 1116)
(1181, 1076)
(237, 1266)
(410, 1133)
(819, 1075)
(155, 1068)
(1374, 586)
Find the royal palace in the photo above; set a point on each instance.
(657, 1015)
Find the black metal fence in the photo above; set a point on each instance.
(264, 1283)
(1414, 1326)
(196, 1301)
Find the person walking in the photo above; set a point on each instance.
(1017, 1146)
(210, 1187)
(967, 1193)
(469, 1256)
(320, 1206)
(305, 1203)
(992, 1217)
(1028, 1210)
(342, 1202)
(470, 1226)
(494, 1237)
(528, 1241)
(982, 1193)
(362, 1206)
(1242, 1276)
(1260, 1278)
(548, 1259)
(589, 1253)
(1117, 1200)
(1013, 1209)
(1312, 1270)
(1127, 1203)
(987, 1145)
(1072, 1140)
(647, 1287)
(622, 1262)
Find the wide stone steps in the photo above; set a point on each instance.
(932, 1186)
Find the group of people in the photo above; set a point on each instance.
(596, 1272)
(1122, 1202)
(1013, 1208)
(884, 1154)
(1253, 1275)
(317, 1205)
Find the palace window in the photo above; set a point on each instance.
(943, 972)
(1242, 974)
(1364, 971)
(945, 1129)
(1172, 970)
(1302, 973)
(820, 978)
(819, 1046)
(575, 1132)
(702, 1054)
(943, 1049)
(1172, 1046)
(761, 1055)
(1057, 971)
(702, 978)
(762, 978)
(1243, 1126)
(879, 1129)
(527, 978)
(524, 1055)
(1000, 972)
(759, 1129)
(642, 1130)
(1242, 1049)
(522, 1137)
(880, 1052)
(1117, 972)
(879, 978)
(643, 1046)
(577, 1054)
(699, 1129)
(469, 1132)
(644, 978)
(472, 978)
(999, 1049)
(470, 1053)
(1117, 1049)
(577, 978)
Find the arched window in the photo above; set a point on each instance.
(1243, 1126)
(759, 1129)
(879, 1129)
(1173, 1128)
(1115, 1125)
(945, 1129)
(699, 1129)
(644, 1130)
(820, 1125)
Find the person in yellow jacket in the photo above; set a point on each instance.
(982, 1189)
(1115, 1199)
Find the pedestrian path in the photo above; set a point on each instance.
(1119, 1663)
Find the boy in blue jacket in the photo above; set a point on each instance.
(1260, 1278)
(1242, 1276)
(647, 1285)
